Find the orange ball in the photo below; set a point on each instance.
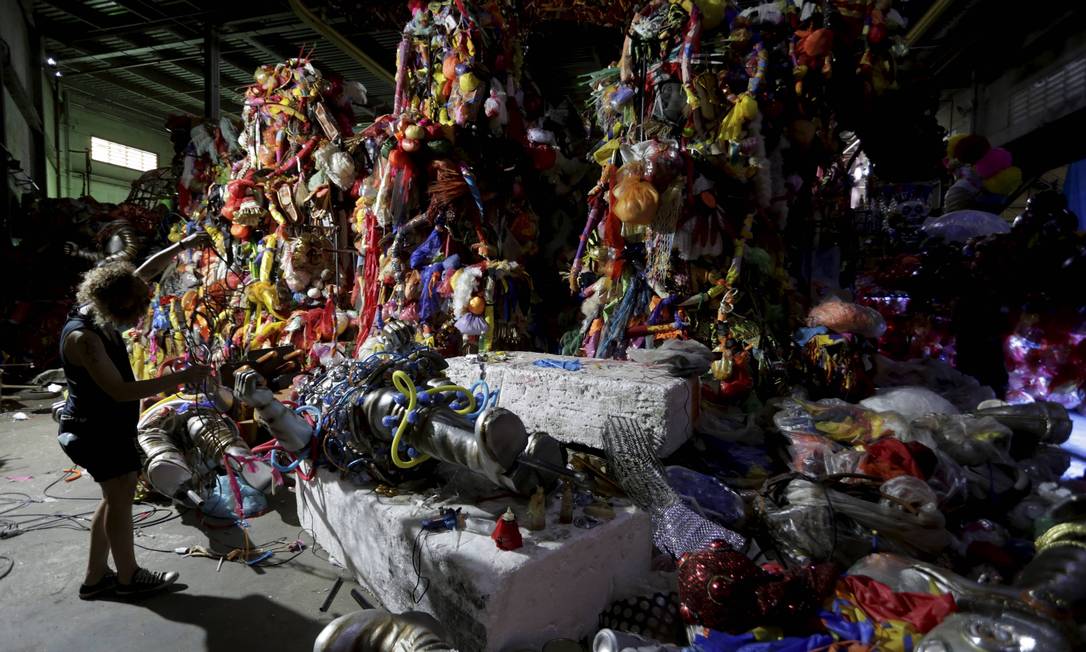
(476, 305)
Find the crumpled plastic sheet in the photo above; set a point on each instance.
(682, 358)
(961, 390)
(963, 225)
(910, 402)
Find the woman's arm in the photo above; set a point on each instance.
(86, 350)
(158, 262)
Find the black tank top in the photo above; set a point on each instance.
(89, 405)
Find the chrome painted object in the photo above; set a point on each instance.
(1010, 632)
(361, 408)
(376, 630)
(185, 445)
(1031, 615)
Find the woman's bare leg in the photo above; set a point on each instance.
(98, 560)
(119, 493)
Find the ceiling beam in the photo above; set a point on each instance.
(231, 15)
(237, 58)
(169, 45)
(264, 49)
(171, 101)
(79, 10)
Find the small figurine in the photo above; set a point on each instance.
(506, 533)
(565, 516)
(537, 510)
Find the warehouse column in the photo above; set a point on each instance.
(211, 72)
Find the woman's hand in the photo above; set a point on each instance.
(193, 375)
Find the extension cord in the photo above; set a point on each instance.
(10, 532)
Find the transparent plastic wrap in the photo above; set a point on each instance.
(968, 439)
(808, 453)
(1048, 464)
(914, 496)
(681, 358)
(845, 461)
(949, 483)
(805, 524)
(840, 421)
(997, 482)
(961, 225)
(805, 534)
(1027, 512)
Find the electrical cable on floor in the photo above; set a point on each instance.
(11, 566)
(63, 476)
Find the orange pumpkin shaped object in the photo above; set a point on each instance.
(636, 201)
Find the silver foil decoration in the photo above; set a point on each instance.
(676, 529)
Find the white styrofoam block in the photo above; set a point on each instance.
(573, 406)
(488, 599)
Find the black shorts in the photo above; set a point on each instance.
(104, 454)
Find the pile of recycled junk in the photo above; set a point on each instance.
(926, 516)
(914, 520)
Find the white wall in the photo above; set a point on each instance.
(18, 136)
(108, 183)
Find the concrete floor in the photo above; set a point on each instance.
(236, 608)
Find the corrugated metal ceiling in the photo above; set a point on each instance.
(146, 57)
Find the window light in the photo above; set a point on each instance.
(124, 156)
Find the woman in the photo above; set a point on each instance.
(98, 422)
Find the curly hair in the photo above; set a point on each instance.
(115, 293)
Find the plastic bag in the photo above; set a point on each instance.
(1048, 464)
(840, 421)
(897, 530)
(961, 390)
(907, 493)
(846, 461)
(681, 358)
(968, 439)
(948, 482)
(910, 402)
(808, 453)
